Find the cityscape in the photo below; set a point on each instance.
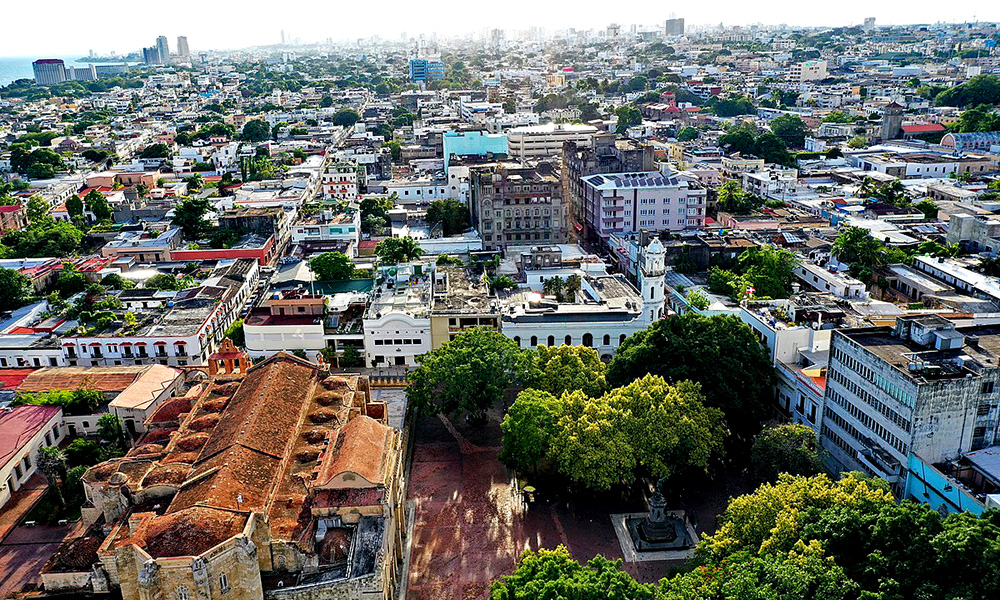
(670, 310)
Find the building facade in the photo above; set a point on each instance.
(518, 205)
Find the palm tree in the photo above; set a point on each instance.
(52, 464)
(867, 188)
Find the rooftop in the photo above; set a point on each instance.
(19, 424)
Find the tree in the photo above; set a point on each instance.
(75, 403)
(981, 89)
(351, 357)
(451, 214)
(699, 348)
(566, 369)
(38, 211)
(109, 428)
(528, 427)
(857, 142)
(929, 209)
(82, 452)
(648, 427)
(346, 117)
(158, 150)
(236, 333)
(469, 373)
(628, 116)
(164, 281)
(256, 131)
(733, 199)
(687, 134)
(52, 464)
(790, 448)
(41, 171)
(697, 299)
(74, 206)
(855, 245)
(114, 281)
(554, 575)
(398, 250)
(15, 289)
(70, 281)
(97, 204)
(189, 215)
(332, 266)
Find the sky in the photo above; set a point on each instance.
(71, 27)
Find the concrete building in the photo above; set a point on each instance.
(517, 205)
(340, 182)
(674, 27)
(461, 301)
(423, 70)
(163, 49)
(810, 70)
(397, 323)
(607, 155)
(923, 388)
(617, 203)
(539, 142)
(605, 311)
(23, 430)
(183, 52)
(49, 71)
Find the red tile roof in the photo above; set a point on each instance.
(102, 379)
(11, 378)
(923, 128)
(19, 424)
(362, 449)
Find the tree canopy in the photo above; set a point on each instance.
(189, 215)
(15, 289)
(256, 131)
(467, 374)
(719, 352)
(790, 129)
(451, 214)
(332, 266)
(398, 250)
(788, 448)
(566, 369)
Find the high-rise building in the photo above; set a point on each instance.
(182, 47)
(422, 69)
(163, 47)
(674, 27)
(49, 71)
(151, 56)
(515, 205)
(869, 24)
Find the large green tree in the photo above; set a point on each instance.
(15, 289)
(719, 352)
(189, 215)
(398, 250)
(528, 428)
(97, 204)
(554, 575)
(790, 129)
(451, 214)
(566, 369)
(256, 131)
(332, 266)
(469, 374)
(789, 448)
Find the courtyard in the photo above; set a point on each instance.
(471, 524)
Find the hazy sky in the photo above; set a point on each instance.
(119, 25)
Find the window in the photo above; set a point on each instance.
(988, 387)
(55, 432)
(552, 341)
(27, 462)
(224, 583)
(182, 593)
(17, 471)
(588, 340)
(607, 340)
(569, 340)
(534, 341)
(517, 340)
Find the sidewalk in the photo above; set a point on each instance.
(21, 503)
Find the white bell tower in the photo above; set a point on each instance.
(651, 280)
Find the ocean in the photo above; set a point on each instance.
(19, 67)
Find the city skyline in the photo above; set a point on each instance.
(245, 30)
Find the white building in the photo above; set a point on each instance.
(397, 323)
(810, 70)
(823, 280)
(607, 310)
(546, 141)
(23, 430)
(340, 182)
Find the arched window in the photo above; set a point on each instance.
(552, 340)
(534, 341)
(621, 339)
(569, 340)
(182, 593)
(517, 340)
(607, 340)
(588, 340)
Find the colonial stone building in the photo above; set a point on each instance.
(276, 481)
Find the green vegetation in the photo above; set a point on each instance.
(719, 352)
(746, 140)
(74, 403)
(564, 290)
(467, 374)
(646, 428)
(565, 369)
(236, 333)
(733, 199)
(393, 251)
(451, 214)
(15, 289)
(790, 448)
(332, 266)
(981, 89)
(759, 272)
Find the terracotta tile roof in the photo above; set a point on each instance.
(19, 425)
(361, 449)
(189, 532)
(345, 497)
(11, 378)
(102, 379)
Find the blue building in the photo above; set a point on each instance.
(473, 143)
(422, 69)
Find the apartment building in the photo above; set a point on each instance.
(518, 205)
(616, 203)
(546, 141)
(922, 389)
(340, 182)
